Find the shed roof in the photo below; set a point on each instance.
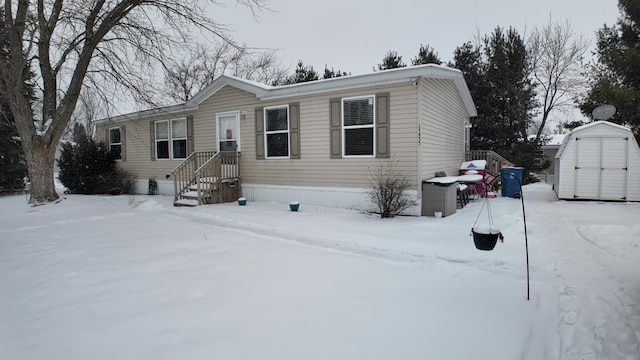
(267, 92)
(590, 125)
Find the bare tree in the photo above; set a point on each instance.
(89, 108)
(557, 60)
(389, 189)
(186, 76)
(69, 44)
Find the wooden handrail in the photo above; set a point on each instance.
(184, 174)
(207, 170)
(222, 167)
(495, 161)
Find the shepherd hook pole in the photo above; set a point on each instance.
(526, 241)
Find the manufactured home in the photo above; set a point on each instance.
(598, 161)
(316, 142)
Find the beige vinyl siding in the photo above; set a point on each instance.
(315, 167)
(225, 100)
(138, 148)
(442, 116)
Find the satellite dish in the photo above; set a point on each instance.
(603, 112)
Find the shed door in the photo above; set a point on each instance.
(614, 168)
(601, 168)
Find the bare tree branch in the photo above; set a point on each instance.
(557, 53)
(74, 43)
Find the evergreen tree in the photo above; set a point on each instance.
(497, 72)
(391, 61)
(426, 55)
(12, 159)
(328, 74)
(302, 74)
(615, 78)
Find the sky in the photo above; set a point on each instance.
(133, 277)
(354, 36)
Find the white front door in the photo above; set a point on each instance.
(228, 131)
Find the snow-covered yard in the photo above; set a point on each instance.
(131, 277)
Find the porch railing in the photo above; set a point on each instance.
(495, 161)
(223, 167)
(184, 174)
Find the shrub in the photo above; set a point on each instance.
(388, 190)
(88, 167)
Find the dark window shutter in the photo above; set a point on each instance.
(335, 128)
(382, 125)
(152, 140)
(190, 144)
(294, 130)
(260, 133)
(123, 141)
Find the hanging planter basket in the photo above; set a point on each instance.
(486, 237)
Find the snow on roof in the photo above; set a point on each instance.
(554, 140)
(267, 92)
(600, 123)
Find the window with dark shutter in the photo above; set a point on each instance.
(358, 125)
(276, 131)
(170, 139)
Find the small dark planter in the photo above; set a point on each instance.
(485, 242)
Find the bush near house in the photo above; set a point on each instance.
(388, 190)
(88, 167)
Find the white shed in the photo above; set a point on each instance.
(598, 161)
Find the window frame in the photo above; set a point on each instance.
(111, 143)
(237, 129)
(170, 138)
(372, 126)
(267, 132)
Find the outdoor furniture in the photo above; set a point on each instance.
(462, 191)
(463, 195)
(474, 184)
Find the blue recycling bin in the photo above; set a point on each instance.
(510, 186)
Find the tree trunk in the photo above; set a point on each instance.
(41, 159)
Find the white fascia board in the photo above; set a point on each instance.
(250, 86)
(267, 92)
(377, 78)
(601, 123)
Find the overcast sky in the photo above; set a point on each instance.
(354, 36)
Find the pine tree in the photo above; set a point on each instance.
(391, 61)
(615, 78)
(426, 55)
(497, 72)
(302, 74)
(12, 160)
(328, 74)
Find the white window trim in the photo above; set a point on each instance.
(228, 113)
(344, 138)
(114, 143)
(170, 138)
(266, 132)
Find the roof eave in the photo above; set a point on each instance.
(167, 110)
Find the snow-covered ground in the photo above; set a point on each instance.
(132, 277)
